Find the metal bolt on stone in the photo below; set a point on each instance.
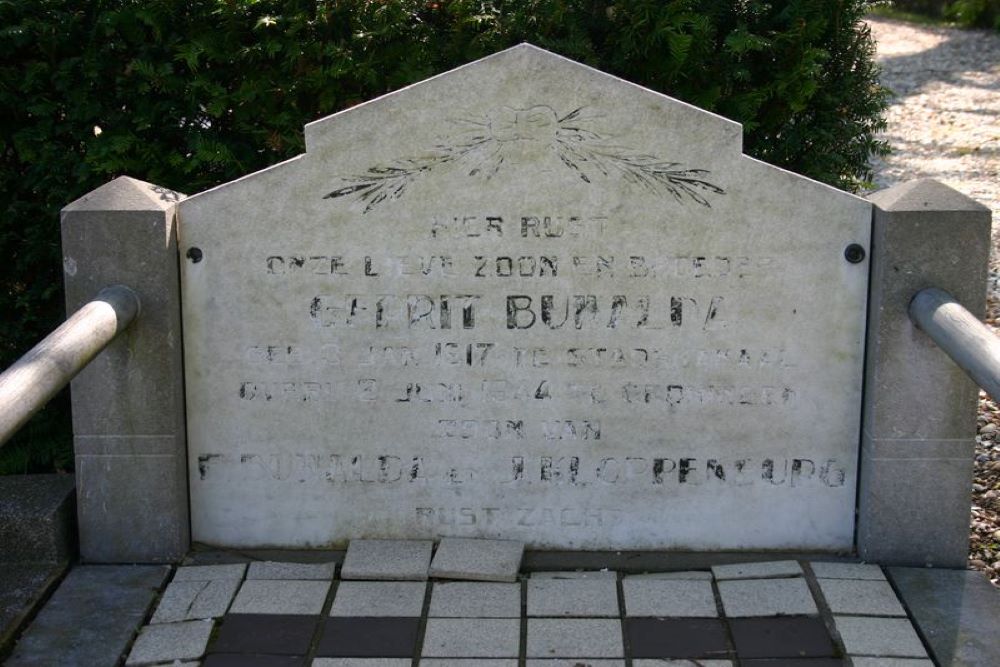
(36, 377)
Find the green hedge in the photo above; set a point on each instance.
(968, 13)
(191, 94)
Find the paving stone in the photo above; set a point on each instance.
(468, 662)
(866, 571)
(569, 574)
(794, 662)
(778, 568)
(861, 597)
(278, 634)
(472, 638)
(91, 618)
(767, 597)
(475, 600)
(240, 660)
(190, 600)
(379, 598)
(573, 662)
(891, 662)
(300, 571)
(210, 572)
(882, 637)
(677, 638)
(574, 637)
(280, 597)
(681, 663)
(573, 597)
(781, 638)
(477, 560)
(362, 662)
(176, 663)
(657, 597)
(391, 560)
(368, 638)
(691, 575)
(170, 641)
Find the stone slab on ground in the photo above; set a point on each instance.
(37, 518)
(669, 598)
(574, 637)
(682, 663)
(861, 597)
(280, 597)
(465, 662)
(767, 597)
(891, 662)
(957, 611)
(573, 662)
(210, 572)
(169, 642)
(193, 600)
(274, 570)
(864, 571)
(91, 618)
(879, 637)
(575, 574)
(693, 575)
(472, 638)
(22, 588)
(390, 560)
(477, 560)
(362, 662)
(573, 597)
(379, 598)
(781, 568)
(460, 599)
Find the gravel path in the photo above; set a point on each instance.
(944, 123)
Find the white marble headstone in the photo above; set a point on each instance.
(524, 300)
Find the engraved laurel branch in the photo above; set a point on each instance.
(485, 145)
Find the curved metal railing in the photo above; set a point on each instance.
(36, 377)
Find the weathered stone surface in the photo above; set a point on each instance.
(919, 407)
(477, 560)
(863, 598)
(890, 662)
(475, 600)
(169, 642)
(577, 662)
(394, 560)
(280, 597)
(573, 637)
(666, 598)
(210, 572)
(191, 600)
(767, 597)
(472, 638)
(682, 663)
(958, 613)
(91, 618)
(302, 571)
(473, 662)
(362, 662)
(524, 299)
(692, 575)
(128, 403)
(23, 587)
(780, 568)
(37, 518)
(866, 571)
(574, 574)
(883, 637)
(379, 598)
(572, 597)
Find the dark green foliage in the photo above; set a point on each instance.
(967, 13)
(188, 94)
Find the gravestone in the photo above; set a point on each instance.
(525, 300)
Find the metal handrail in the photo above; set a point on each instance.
(36, 377)
(965, 339)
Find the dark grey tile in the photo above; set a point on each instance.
(273, 634)
(244, 660)
(677, 638)
(795, 637)
(795, 662)
(366, 637)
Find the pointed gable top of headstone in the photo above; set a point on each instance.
(126, 194)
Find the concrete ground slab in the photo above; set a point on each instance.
(891, 662)
(192, 600)
(280, 597)
(767, 597)
(664, 662)
(23, 586)
(466, 662)
(867, 571)
(362, 662)
(575, 574)
(472, 638)
(574, 637)
(574, 662)
(91, 618)
(379, 598)
(389, 560)
(861, 597)
(957, 611)
(273, 570)
(780, 568)
(477, 560)
(690, 575)
(169, 642)
(669, 598)
(573, 597)
(210, 572)
(879, 637)
(460, 599)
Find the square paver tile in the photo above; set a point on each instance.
(794, 662)
(210, 572)
(462, 599)
(665, 662)
(379, 598)
(575, 638)
(280, 597)
(302, 571)
(573, 662)
(239, 660)
(891, 662)
(677, 638)
(190, 600)
(882, 637)
(771, 569)
(362, 662)
(861, 597)
(472, 638)
(477, 560)
(847, 571)
(275, 634)
(468, 662)
(166, 642)
(666, 597)
(368, 638)
(690, 575)
(573, 597)
(575, 574)
(781, 638)
(391, 560)
(767, 597)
